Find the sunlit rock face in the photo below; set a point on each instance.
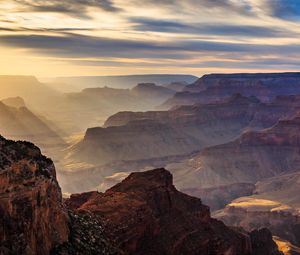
(33, 219)
(274, 204)
(217, 86)
(149, 216)
(282, 224)
(252, 157)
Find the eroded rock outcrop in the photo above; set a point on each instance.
(254, 156)
(149, 216)
(211, 87)
(282, 224)
(134, 141)
(33, 219)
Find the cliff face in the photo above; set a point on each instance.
(252, 157)
(149, 216)
(235, 112)
(134, 141)
(32, 216)
(22, 124)
(177, 133)
(217, 86)
(282, 224)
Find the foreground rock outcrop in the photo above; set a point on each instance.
(147, 215)
(32, 216)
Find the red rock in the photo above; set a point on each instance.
(148, 215)
(33, 219)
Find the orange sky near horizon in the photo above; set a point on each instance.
(118, 37)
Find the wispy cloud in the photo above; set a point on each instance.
(71, 7)
(156, 25)
(232, 34)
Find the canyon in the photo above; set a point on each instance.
(234, 149)
(144, 214)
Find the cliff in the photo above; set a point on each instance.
(33, 219)
(217, 86)
(149, 216)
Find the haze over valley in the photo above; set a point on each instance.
(149, 127)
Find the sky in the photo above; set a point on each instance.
(50, 38)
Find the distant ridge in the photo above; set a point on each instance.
(252, 75)
(77, 83)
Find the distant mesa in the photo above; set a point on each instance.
(218, 86)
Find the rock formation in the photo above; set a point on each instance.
(252, 157)
(282, 224)
(22, 124)
(217, 86)
(144, 214)
(33, 219)
(134, 141)
(149, 216)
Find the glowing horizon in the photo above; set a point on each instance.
(105, 37)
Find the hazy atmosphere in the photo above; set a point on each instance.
(155, 127)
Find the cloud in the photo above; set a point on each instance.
(71, 7)
(72, 45)
(238, 6)
(154, 25)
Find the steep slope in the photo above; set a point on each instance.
(39, 98)
(210, 124)
(22, 124)
(274, 204)
(248, 111)
(149, 216)
(134, 141)
(217, 86)
(30, 198)
(37, 94)
(206, 125)
(252, 157)
(282, 224)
